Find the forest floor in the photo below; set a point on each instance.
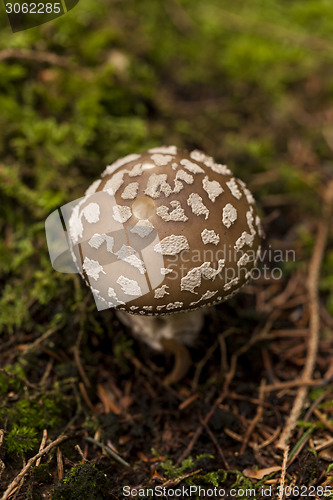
(84, 412)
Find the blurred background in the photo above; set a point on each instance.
(250, 83)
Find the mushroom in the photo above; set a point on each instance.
(161, 236)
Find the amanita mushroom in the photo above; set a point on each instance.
(165, 232)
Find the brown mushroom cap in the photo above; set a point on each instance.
(165, 231)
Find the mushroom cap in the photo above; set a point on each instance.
(165, 231)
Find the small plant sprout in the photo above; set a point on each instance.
(161, 236)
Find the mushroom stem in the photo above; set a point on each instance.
(181, 327)
(182, 362)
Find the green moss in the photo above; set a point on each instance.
(82, 481)
(21, 439)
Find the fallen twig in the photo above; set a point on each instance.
(218, 447)
(283, 473)
(30, 462)
(42, 445)
(256, 419)
(312, 284)
(108, 450)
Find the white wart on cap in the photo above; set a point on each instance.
(166, 231)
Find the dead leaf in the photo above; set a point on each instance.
(259, 474)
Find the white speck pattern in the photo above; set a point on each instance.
(244, 239)
(136, 170)
(161, 160)
(129, 287)
(235, 191)
(184, 176)
(206, 296)
(92, 268)
(247, 192)
(112, 294)
(168, 150)
(130, 192)
(109, 242)
(176, 215)
(193, 278)
(244, 259)
(161, 292)
(91, 212)
(231, 283)
(209, 236)
(218, 168)
(157, 184)
(192, 167)
(174, 305)
(119, 163)
(229, 215)
(260, 228)
(97, 240)
(75, 225)
(121, 213)
(212, 188)
(143, 228)
(116, 181)
(200, 156)
(165, 271)
(127, 254)
(250, 220)
(171, 245)
(198, 208)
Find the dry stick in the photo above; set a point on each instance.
(77, 447)
(30, 462)
(289, 384)
(256, 419)
(2, 465)
(323, 420)
(283, 473)
(270, 440)
(60, 465)
(78, 359)
(17, 489)
(213, 438)
(80, 366)
(36, 343)
(323, 446)
(200, 366)
(108, 450)
(86, 397)
(42, 445)
(312, 284)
